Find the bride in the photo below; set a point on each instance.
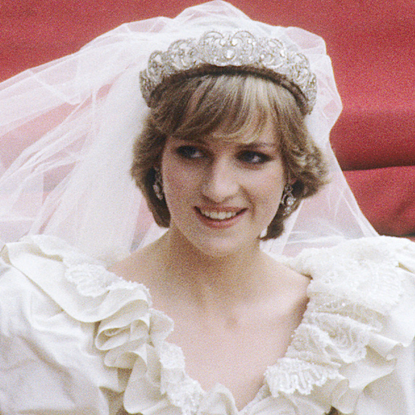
(219, 184)
(254, 286)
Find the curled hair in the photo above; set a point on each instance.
(237, 104)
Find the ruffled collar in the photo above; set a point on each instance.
(353, 288)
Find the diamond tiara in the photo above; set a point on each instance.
(241, 51)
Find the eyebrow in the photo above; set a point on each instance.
(259, 144)
(251, 145)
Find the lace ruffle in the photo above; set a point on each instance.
(354, 288)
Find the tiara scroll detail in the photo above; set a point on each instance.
(237, 49)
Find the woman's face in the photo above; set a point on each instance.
(222, 195)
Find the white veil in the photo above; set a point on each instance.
(67, 130)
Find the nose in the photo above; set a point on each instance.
(220, 182)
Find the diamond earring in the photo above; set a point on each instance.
(158, 184)
(288, 199)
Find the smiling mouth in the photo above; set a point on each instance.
(219, 215)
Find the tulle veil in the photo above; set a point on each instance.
(67, 129)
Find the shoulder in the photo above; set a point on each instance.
(40, 341)
(288, 286)
(371, 271)
(359, 321)
(65, 318)
(353, 253)
(142, 266)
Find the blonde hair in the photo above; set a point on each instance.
(237, 104)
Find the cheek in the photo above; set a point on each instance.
(179, 185)
(271, 196)
(176, 181)
(268, 192)
(272, 182)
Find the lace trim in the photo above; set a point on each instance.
(90, 276)
(354, 285)
(361, 272)
(182, 391)
(93, 280)
(292, 374)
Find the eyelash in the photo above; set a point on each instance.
(248, 156)
(188, 152)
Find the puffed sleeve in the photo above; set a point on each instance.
(75, 338)
(357, 336)
(394, 394)
(48, 363)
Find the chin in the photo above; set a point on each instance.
(221, 248)
(215, 244)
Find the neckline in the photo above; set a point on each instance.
(264, 389)
(170, 348)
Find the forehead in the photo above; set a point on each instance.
(230, 108)
(254, 134)
(256, 129)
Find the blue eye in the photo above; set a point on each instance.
(253, 157)
(189, 152)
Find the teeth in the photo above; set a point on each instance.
(218, 215)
